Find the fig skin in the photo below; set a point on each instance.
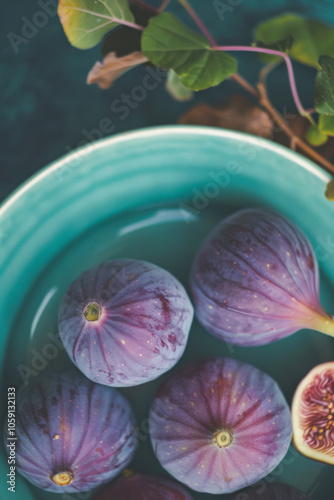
(220, 425)
(72, 432)
(143, 487)
(273, 491)
(313, 414)
(255, 280)
(143, 325)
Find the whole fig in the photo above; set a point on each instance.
(72, 434)
(125, 322)
(219, 425)
(313, 414)
(255, 280)
(272, 491)
(143, 487)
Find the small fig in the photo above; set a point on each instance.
(255, 280)
(143, 487)
(125, 322)
(72, 434)
(219, 425)
(272, 491)
(313, 414)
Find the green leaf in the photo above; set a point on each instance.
(326, 124)
(283, 45)
(311, 38)
(86, 21)
(169, 44)
(176, 88)
(315, 137)
(324, 92)
(330, 190)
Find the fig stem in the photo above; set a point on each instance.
(63, 478)
(92, 311)
(324, 324)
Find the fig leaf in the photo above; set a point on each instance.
(112, 67)
(311, 38)
(176, 89)
(324, 93)
(169, 44)
(86, 21)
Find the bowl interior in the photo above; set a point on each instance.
(154, 195)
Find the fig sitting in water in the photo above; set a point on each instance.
(219, 425)
(72, 434)
(273, 491)
(255, 280)
(125, 322)
(313, 414)
(143, 487)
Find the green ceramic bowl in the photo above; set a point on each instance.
(153, 195)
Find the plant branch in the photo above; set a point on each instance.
(295, 140)
(198, 21)
(246, 85)
(292, 80)
(163, 6)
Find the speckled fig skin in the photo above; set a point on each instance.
(267, 491)
(143, 487)
(313, 414)
(143, 325)
(220, 425)
(255, 280)
(72, 432)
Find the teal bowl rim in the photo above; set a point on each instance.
(164, 132)
(158, 131)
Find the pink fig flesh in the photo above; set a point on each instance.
(313, 414)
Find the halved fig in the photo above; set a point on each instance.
(255, 280)
(313, 414)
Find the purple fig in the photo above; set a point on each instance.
(72, 434)
(273, 491)
(125, 322)
(143, 487)
(255, 280)
(220, 425)
(313, 414)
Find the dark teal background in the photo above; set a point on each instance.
(46, 103)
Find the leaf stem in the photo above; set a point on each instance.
(163, 6)
(127, 23)
(198, 21)
(288, 63)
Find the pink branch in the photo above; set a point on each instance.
(127, 23)
(198, 21)
(292, 80)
